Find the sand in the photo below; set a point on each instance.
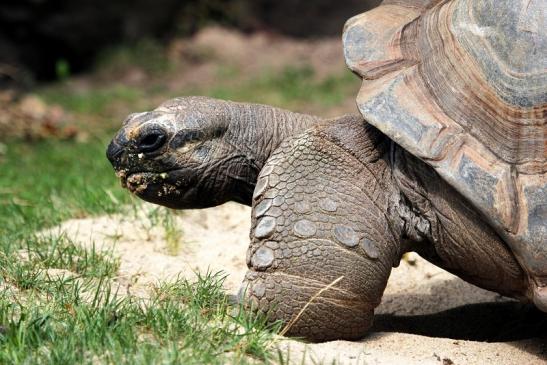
(427, 315)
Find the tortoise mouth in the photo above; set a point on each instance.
(136, 180)
(139, 182)
(164, 188)
(175, 188)
(153, 187)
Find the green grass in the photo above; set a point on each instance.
(172, 235)
(83, 321)
(50, 181)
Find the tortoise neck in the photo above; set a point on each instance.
(255, 131)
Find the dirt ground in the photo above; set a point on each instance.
(427, 315)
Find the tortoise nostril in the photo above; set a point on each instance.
(151, 141)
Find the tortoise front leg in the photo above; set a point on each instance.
(320, 240)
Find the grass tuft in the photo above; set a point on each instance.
(172, 234)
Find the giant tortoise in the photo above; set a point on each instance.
(448, 158)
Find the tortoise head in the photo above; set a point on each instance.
(181, 155)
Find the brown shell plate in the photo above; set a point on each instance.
(462, 85)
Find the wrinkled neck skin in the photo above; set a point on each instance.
(254, 132)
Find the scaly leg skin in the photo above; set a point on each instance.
(319, 214)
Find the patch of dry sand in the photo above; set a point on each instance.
(427, 315)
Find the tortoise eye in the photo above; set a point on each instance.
(151, 140)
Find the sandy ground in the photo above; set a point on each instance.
(427, 315)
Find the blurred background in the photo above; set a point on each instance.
(37, 35)
(139, 45)
(70, 71)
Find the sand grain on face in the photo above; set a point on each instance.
(427, 315)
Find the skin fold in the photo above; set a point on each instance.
(334, 201)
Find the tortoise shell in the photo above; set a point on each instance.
(462, 85)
